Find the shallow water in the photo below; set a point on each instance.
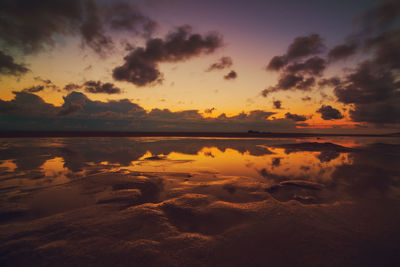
(200, 201)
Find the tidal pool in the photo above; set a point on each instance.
(200, 201)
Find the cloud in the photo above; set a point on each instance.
(231, 75)
(312, 66)
(295, 117)
(277, 104)
(209, 110)
(32, 26)
(34, 89)
(276, 63)
(302, 46)
(381, 16)
(298, 66)
(334, 81)
(96, 87)
(342, 51)
(28, 105)
(373, 88)
(329, 113)
(9, 67)
(223, 63)
(78, 112)
(306, 98)
(290, 81)
(72, 87)
(141, 65)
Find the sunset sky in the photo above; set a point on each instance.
(186, 65)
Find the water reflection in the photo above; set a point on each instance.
(29, 164)
(157, 196)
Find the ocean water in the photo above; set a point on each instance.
(200, 201)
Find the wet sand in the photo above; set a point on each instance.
(100, 208)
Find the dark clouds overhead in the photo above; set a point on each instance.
(94, 87)
(34, 89)
(231, 75)
(342, 51)
(312, 66)
(329, 113)
(30, 26)
(71, 87)
(9, 67)
(277, 104)
(295, 117)
(222, 63)
(302, 46)
(299, 66)
(371, 88)
(380, 17)
(28, 105)
(97, 87)
(209, 110)
(290, 81)
(141, 65)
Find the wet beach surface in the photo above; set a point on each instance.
(200, 202)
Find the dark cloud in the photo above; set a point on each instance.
(31, 26)
(385, 49)
(298, 66)
(381, 16)
(141, 65)
(302, 46)
(29, 112)
(306, 98)
(290, 81)
(209, 110)
(96, 87)
(46, 84)
(306, 84)
(277, 62)
(334, 81)
(313, 66)
(45, 81)
(9, 67)
(231, 75)
(295, 117)
(28, 105)
(277, 104)
(124, 16)
(329, 113)
(223, 62)
(71, 87)
(368, 84)
(373, 87)
(34, 89)
(342, 51)
(387, 112)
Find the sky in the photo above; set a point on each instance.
(185, 65)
